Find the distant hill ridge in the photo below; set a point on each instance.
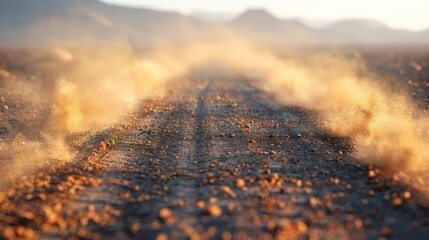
(38, 22)
(356, 31)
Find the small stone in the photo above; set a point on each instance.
(181, 203)
(26, 215)
(161, 237)
(301, 226)
(8, 233)
(335, 181)
(42, 197)
(275, 176)
(314, 202)
(135, 228)
(385, 232)
(358, 224)
(214, 211)
(397, 202)
(200, 204)
(24, 233)
(407, 195)
(240, 183)
(164, 213)
(271, 226)
(231, 207)
(229, 191)
(226, 235)
(50, 216)
(283, 224)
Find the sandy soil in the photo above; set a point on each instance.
(218, 159)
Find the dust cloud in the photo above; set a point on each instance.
(387, 129)
(57, 93)
(94, 87)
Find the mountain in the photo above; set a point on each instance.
(211, 16)
(41, 22)
(262, 27)
(367, 32)
(25, 21)
(38, 22)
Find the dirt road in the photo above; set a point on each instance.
(216, 159)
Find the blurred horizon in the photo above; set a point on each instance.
(65, 22)
(407, 15)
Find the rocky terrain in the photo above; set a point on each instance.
(214, 158)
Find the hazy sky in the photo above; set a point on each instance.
(406, 14)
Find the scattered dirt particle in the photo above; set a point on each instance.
(164, 213)
(386, 232)
(8, 233)
(214, 211)
(397, 202)
(227, 190)
(200, 204)
(135, 228)
(407, 195)
(26, 215)
(226, 235)
(271, 226)
(358, 224)
(181, 203)
(386, 197)
(240, 183)
(301, 226)
(161, 237)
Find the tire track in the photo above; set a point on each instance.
(269, 172)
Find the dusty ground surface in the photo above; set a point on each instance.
(214, 159)
(405, 69)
